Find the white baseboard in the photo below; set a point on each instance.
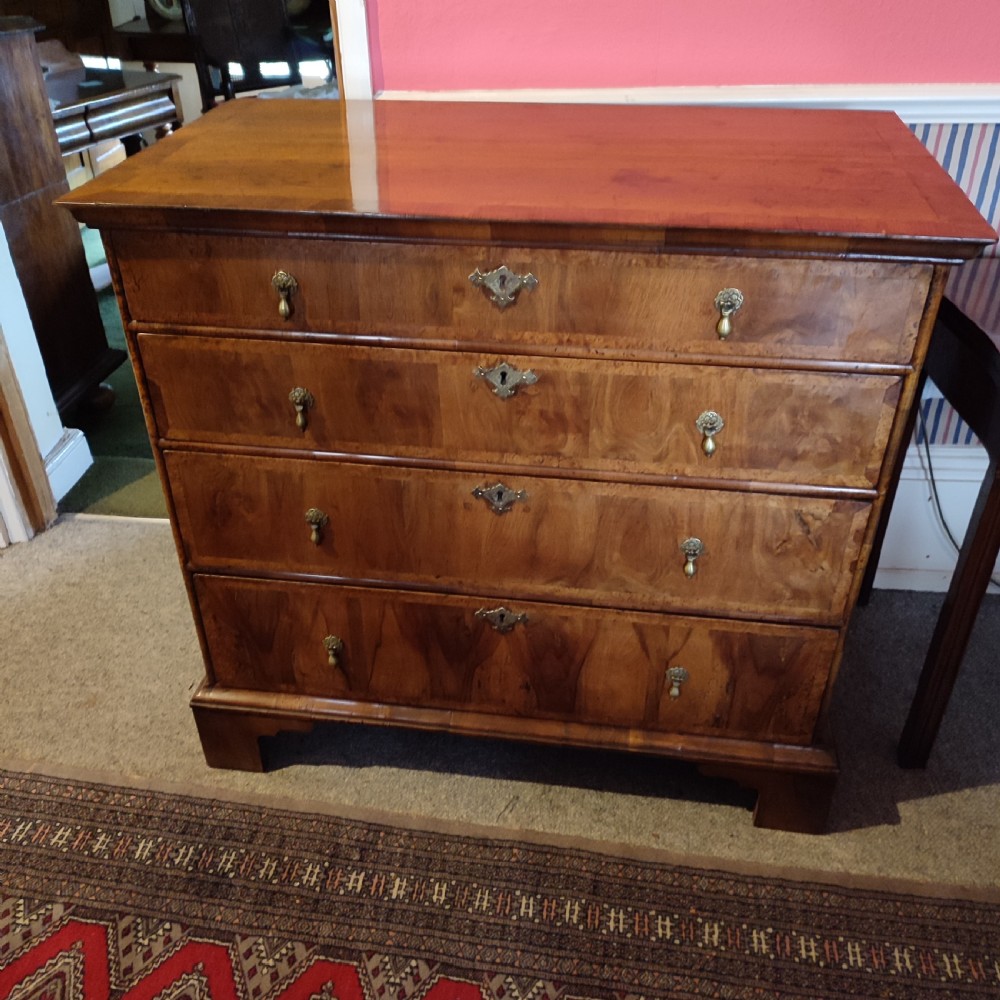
(914, 103)
(917, 554)
(66, 463)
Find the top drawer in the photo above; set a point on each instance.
(629, 304)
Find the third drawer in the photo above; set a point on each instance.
(581, 541)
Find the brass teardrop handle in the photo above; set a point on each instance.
(501, 619)
(709, 423)
(728, 301)
(302, 400)
(317, 521)
(334, 646)
(676, 676)
(284, 284)
(505, 379)
(692, 549)
(502, 285)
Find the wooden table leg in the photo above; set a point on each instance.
(958, 615)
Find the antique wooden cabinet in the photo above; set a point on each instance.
(562, 423)
(44, 241)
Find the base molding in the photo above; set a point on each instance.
(794, 783)
(66, 463)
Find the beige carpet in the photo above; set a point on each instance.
(99, 656)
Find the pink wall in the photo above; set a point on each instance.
(516, 44)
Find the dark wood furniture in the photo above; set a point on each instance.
(44, 240)
(561, 423)
(963, 362)
(93, 105)
(81, 25)
(215, 33)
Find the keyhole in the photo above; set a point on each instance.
(503, 378)
(501, 619)
(499, 496)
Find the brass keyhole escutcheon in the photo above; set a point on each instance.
(692, 549)
(505, 378)
(709, 423)
(728, 302)
(284, 284)
(502, 285)
(317, 521)
(676, 676)
(500, 497)
(502, 619)
(302, 400)
(334, 646)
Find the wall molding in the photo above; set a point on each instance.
(944, 103)
(355, 55)
(67, 462)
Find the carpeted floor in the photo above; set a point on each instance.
(100, 658)
(137, 893)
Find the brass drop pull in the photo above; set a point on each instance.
(502, 619)
(500, 498)
(317, 521)
(692, 549)
(505, 379)
(728, 301)
(284, 284)
(302, 400)
(676, 676)
(503, 284)
(334, 646)
(709, 423)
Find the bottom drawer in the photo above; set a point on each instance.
(734, 679)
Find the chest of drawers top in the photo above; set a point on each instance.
(799, 181)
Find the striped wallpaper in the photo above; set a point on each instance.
(971, 155)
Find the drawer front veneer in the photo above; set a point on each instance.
(582, 541)
(606, 668)
(608, 417)
(644, 305)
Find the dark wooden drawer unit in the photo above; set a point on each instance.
(593, 455)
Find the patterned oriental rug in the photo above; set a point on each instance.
(120, 892)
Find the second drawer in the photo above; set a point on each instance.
(627, 417)
(581, 541)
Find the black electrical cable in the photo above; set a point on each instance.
(934, 490)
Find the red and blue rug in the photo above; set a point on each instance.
(126, 893)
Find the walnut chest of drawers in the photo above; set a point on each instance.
(568, 424)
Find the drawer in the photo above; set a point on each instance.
(606, 416)
(615, 545)
(746, 680)
(631, 304)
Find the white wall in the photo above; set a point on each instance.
(918, 554)
(65, 450)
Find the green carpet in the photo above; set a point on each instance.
(123, 479)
